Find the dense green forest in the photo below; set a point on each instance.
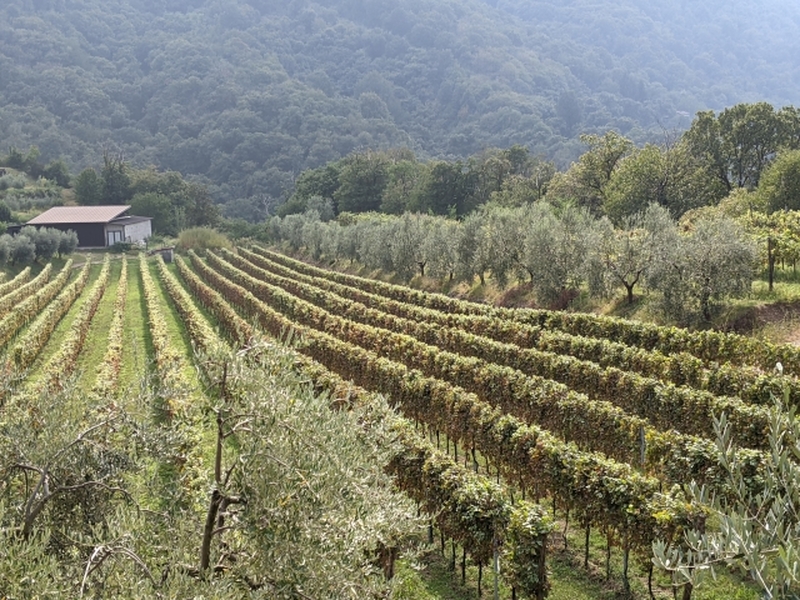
(244, 95)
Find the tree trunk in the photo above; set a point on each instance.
(208, 531)
(687, 591)
(586, 547)
(770, 261)
(629, 288)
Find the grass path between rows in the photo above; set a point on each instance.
(97, 338)
(177, 331)
(137, 350)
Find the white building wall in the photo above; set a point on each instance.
(138, 232)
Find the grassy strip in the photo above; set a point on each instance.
(137, 343)
(101, 362)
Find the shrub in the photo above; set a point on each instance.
(202, 238)
(11, 180)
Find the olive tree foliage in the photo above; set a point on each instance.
(62, 471)
(407, 244)
(98, 500)
(32, 244)
(474, 249)
(623, 256)
(440, 248)
(45, 239)
(556, 250)
(375, 249)
(506, 230)
(313, 233)
(313, 480)
(695, 272)
(21, 249)
(754, 526)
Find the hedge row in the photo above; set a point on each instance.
(170, 363)
(21, 279)
(237, 329)
(29, 308)
(203, 336)
(12, 300)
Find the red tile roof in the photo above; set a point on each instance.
(69, 215)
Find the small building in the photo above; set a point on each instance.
(97, 226)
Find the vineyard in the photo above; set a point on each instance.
(511, 426)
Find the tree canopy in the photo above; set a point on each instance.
(245, 96)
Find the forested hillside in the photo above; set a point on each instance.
(244, 95)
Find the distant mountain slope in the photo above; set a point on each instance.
(246, 94)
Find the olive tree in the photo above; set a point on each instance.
(696, 271)
(292, 502)
(753, 526)
(440, 248)
(556, 249)
(474, 249)
(22, 249)
(407, 235)
(623, 256)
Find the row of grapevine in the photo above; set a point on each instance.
(108, 371)
(11, 300)
(603, 492)
(749, 383)
(201, 333)
(466, 506)
(711, 346)
(572, 415)
(169, 361)
(21, 279)
(30, 307)
(62, 364)
(33, 339)
(236, 328)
